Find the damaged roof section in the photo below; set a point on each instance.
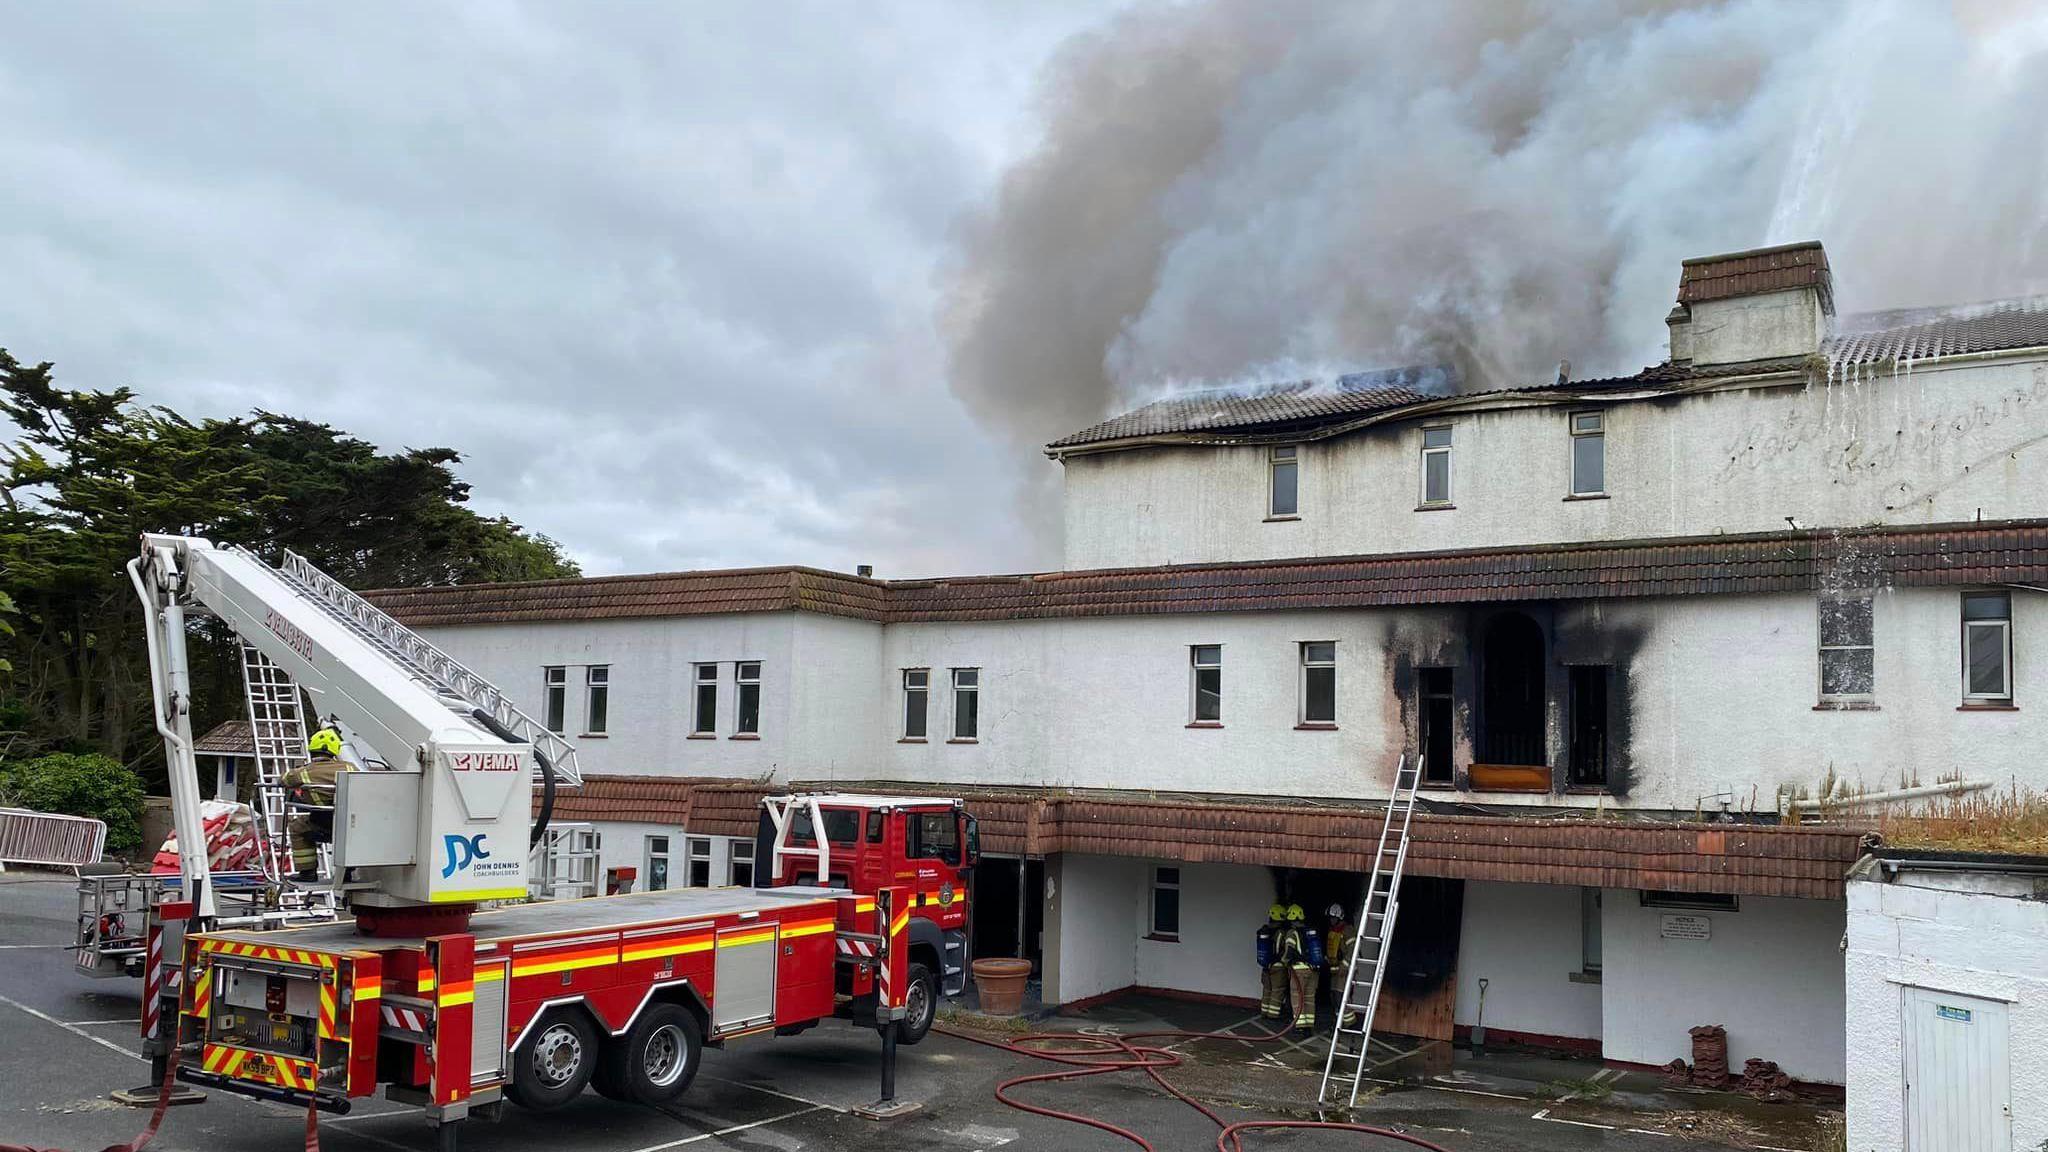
(1271, 406)
(1657, 855)
(1936, 555)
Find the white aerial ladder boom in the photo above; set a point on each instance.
(443, 815)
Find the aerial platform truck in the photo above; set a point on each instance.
(861, 913)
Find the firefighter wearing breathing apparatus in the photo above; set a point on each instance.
(310, 800)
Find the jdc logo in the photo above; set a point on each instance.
(462, 851)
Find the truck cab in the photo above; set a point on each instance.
(927, 844)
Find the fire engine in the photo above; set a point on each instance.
(433, 995)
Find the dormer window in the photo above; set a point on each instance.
(1283, 493)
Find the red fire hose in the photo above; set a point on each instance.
(1095, 1055)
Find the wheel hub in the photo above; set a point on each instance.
(666, 1056)
(557, 1055)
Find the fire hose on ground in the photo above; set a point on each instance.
(1096, 1055)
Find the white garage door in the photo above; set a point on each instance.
(1958, 1079)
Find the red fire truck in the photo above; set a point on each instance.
(534, 1002)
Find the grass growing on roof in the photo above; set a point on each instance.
(2014, 821)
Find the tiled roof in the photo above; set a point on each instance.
(1269, 406)
(1920, 555)
(1909, 334)
(650, 799)
(1802, 265)
(228, 738)
(1745, 859)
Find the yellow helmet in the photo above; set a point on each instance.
(1294, 913)
(1277, 912)
(325, 742)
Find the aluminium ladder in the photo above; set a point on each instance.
(277, 728)
(1372, 940)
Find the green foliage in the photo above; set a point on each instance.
(6, 629)
(90, 472)
(74, 785)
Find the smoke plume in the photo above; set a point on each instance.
(1492, 186)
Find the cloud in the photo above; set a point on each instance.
(662, 273)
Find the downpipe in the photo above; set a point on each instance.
(1866, 799)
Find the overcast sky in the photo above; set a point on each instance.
(702, 285)
(663, 273)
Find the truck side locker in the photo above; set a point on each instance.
(744, 978)
(451, 960)
(365, 1027)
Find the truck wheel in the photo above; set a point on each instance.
(554, 1062)
(655, 1061)
(920, 1005)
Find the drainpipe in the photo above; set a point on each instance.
(1866, 799)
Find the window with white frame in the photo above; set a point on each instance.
(1848, 651)
(917, 698)
(1987, 647)
(554, 696)
(1283, 496)
(597, 697)
(1166, 902)
(698, 874)
(704, 702)
(739, 868)
(1436, 465)
(747, 717)
(657, 863)
(1318, 682)
(1589, 453)
(1205, 682)
(966, 703)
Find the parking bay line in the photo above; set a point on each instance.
(102, 1041)
(818, 1104)
(731, 1130)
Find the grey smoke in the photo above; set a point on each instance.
(1489, 186)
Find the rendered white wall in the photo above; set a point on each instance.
(1221, 909)
(1976, 934)
(1771, 975)
(1941, 443)
(1090, 946)
(1524, 940)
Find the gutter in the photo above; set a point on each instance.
(1866, 799)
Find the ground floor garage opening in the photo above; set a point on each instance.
(1009, 909)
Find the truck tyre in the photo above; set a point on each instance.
(920, 1005)
(656, 1060)
(553, 1062)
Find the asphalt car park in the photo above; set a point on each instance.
(66, 1041)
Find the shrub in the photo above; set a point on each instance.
(79, 785)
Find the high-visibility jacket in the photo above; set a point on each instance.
(312, 784)
(1336, 952)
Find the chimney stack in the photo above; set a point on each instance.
(1763, 304)
(864, 570)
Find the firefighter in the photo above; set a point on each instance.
(1272, 970)
(1337, 960)
(310, 799)
(1302, 950)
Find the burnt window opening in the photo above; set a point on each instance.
(1588, 687)
(1433, 690)
(1511, 692)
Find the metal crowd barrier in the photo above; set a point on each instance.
(46, 838)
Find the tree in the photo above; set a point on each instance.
(91, 471)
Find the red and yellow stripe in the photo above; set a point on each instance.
(566, 961)
(328, 1011)
(455, 992)
(264, 1067)
(202, 991)
(808, 928)
(267, 952)
(735, 939)
(698, 941)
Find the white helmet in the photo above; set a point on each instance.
(1335, 912)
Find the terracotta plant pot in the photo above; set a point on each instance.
(999, 983)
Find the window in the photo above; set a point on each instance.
(739, 870)
(1848, 660)
(935, 836)
(1166, 903)
(917, 691)
(1436, 465)
(657, 863)
(874, 827)
(1433, 686)
(1207, 682)
(704, 707)
(555, 696)
(841, 826)
(1589, 453)
(1285, 489)
(700, 862)
(747, 719)
(966, 703)
(1987, 647)
(1589, 931)
(1704, 901)
(597, 692)
(1319, 682)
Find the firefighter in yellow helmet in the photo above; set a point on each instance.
(309, 791)
(1301, 947)
(1272, 970)
(1337, 946)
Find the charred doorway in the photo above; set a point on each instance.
(1419, 993)
(1587, 688)
(1511, 667)
(1007, 920)
(1434, 701)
